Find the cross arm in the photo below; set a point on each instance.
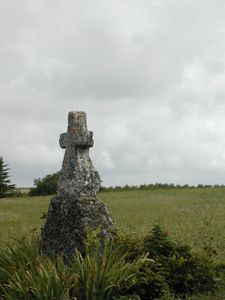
(74, 139)
(62, 140)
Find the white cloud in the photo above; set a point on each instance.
(105, 161)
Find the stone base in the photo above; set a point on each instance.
(69, 220)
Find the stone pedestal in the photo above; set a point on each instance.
(75, 210)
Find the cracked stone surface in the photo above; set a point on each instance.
(75, 209)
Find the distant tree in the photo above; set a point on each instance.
(45, 186)
(5, 183)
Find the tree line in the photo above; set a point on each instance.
(48, 185)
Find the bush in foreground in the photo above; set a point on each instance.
(172, 269)
(185, 273)
(122, 271)
(25, 274)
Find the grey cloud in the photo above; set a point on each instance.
(149, 74)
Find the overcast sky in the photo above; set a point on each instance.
(150, 74)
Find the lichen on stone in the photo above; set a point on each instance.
(75, 209)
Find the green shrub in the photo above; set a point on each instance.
(131, 244)
(45, 186)
(184, 272)
(158, 243)
(150, 283)
(172, 269)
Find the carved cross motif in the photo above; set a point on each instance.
(77, 134)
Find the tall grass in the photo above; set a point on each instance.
(104, 273)
(191, 216)
(26, 274)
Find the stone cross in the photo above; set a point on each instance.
(77, 134)
(78, 176)
(75, 209)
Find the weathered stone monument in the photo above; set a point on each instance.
(75, 210)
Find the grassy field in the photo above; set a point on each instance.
(193, 216)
